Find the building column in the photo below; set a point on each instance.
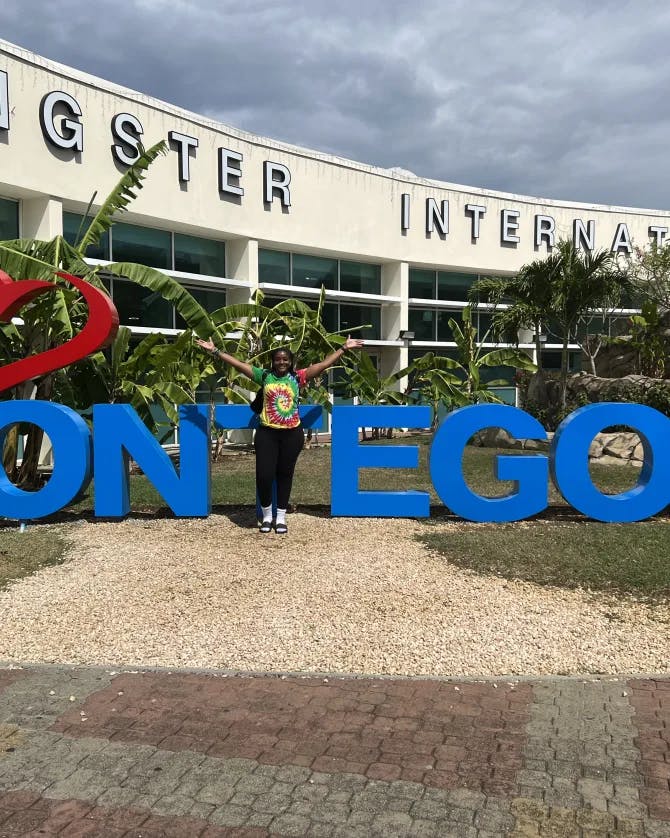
(41, 218)
(241, 263)
(395, 316)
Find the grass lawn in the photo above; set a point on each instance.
(614, 558)
(561, 549)
(23, 553)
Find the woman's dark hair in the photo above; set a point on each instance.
(287, 351)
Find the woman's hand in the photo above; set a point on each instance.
(222, 356)
(352, 343)
(207, 345)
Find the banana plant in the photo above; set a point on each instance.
(153, 372)
(253, 330)
(367, 385)
(459, 382)
(52, 319)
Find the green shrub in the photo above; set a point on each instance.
(658, 397)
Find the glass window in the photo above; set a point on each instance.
(9, 219)
(330, 317)
(632, 300)
(210, 299)
(454, 286)
(314, 271)
(496, 373)
(595, 325)
(207, 391)
(360, 278)
(551, 360)
(139, 306)
(554, 332)
(74, 227)
(422, 323)
(199, 256)
(444, 331)
(274, 266)
(338, 381)
(351, 316)
(422, 284)
(143, 245)
(484, 330)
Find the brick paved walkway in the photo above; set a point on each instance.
(86, 751)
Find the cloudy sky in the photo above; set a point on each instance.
(568, 99)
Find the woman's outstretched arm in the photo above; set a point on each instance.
(316, 369)
(208, 346)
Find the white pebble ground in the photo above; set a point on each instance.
(336, 595)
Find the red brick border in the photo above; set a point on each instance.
(443, 734)
(651, 702)
(25, 813)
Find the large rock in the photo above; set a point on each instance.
(496, 438)
(621, 448)
(621, 445)
(592, 388)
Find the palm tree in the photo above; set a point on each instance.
(563, 291)
(528, 300)
(585, 283)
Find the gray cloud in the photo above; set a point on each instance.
(559, 100)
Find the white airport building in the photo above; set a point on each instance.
(227, 212)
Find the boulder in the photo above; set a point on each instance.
(622, 445)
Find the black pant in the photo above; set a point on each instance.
(277, 452)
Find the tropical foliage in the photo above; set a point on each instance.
(561, 296)
(649, 269)
(53, 319)
(253, 330)
(588, 288)
(149, 374)
(365, 383)
(456, 382)
(650, 341)
(527, 299)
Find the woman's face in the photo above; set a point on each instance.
(281, 363)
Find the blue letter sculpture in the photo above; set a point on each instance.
(348, 457)
(71, 443)
(570, 461)
(530, 473)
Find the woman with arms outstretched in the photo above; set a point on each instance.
(279, 438)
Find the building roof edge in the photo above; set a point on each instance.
(400, 175)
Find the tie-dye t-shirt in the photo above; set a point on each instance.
(280, 398)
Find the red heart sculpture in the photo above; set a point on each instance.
(100, 329)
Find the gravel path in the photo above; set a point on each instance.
(339, 595)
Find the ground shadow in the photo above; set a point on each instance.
(244, 515)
